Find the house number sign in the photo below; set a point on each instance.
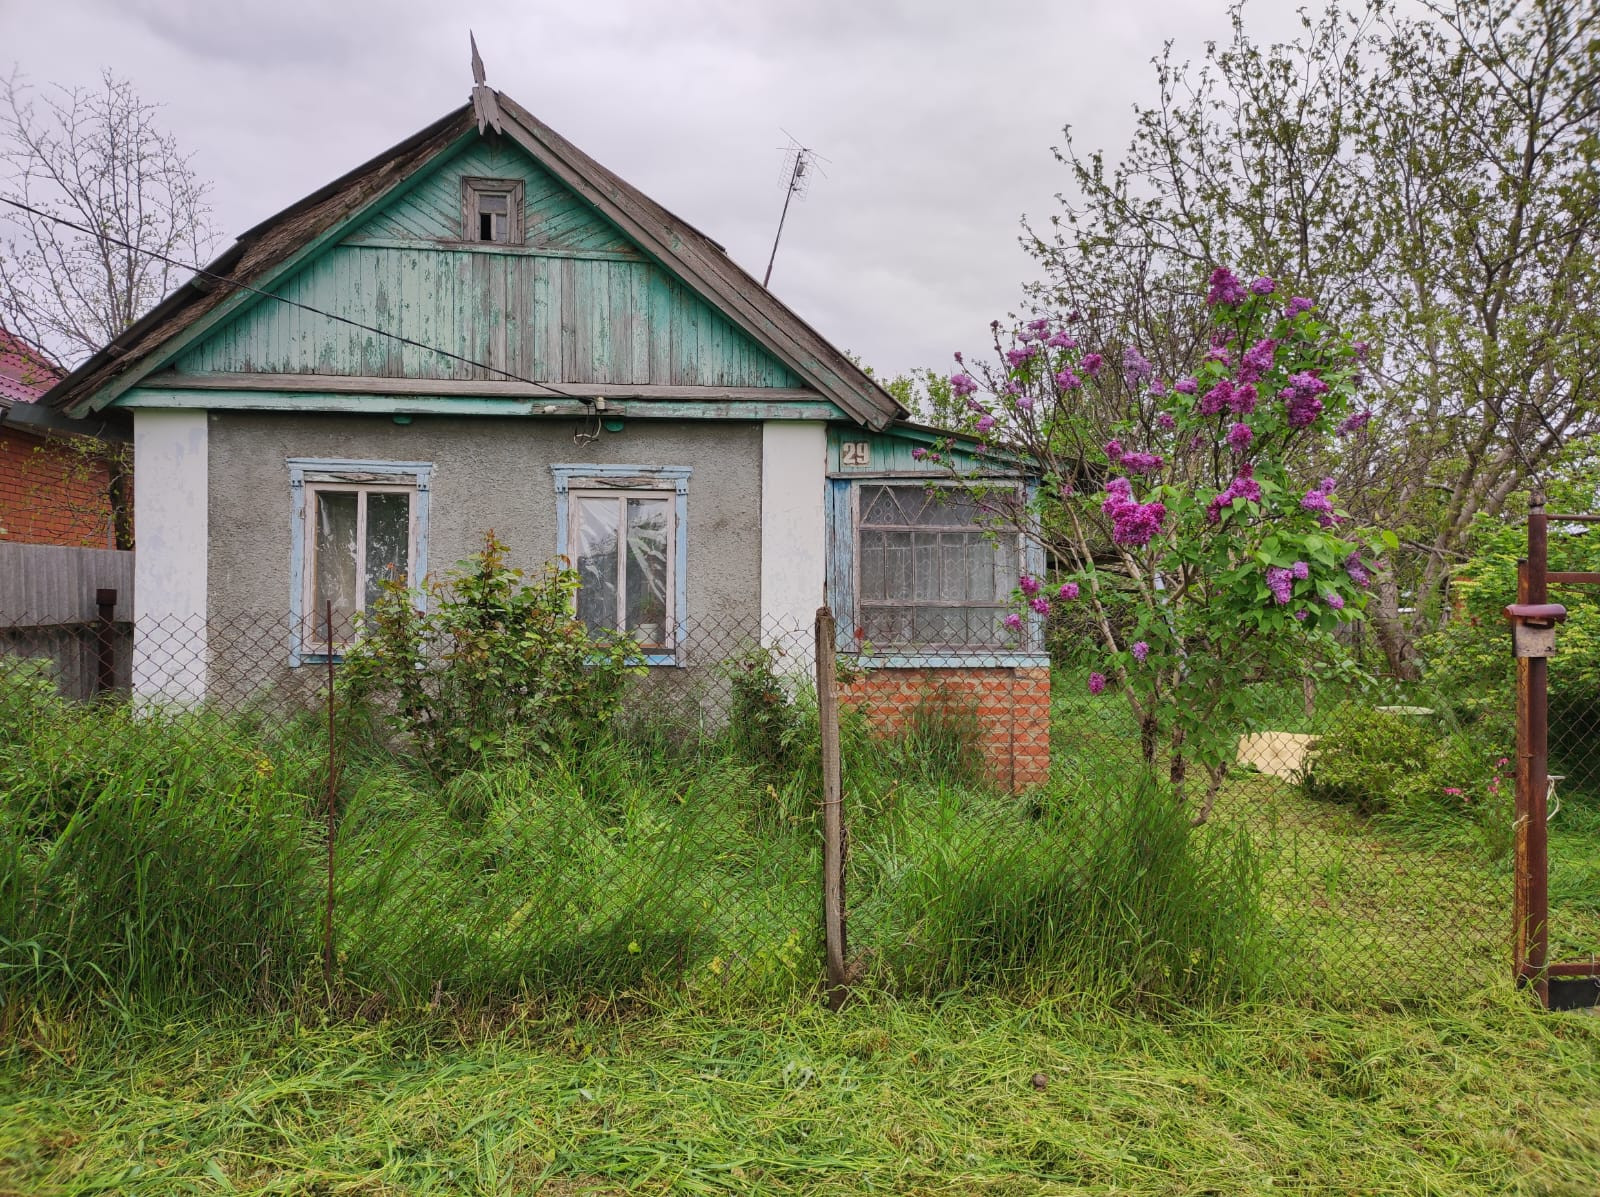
(855, 453)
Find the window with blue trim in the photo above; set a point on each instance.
(357, 525)
(623, 530)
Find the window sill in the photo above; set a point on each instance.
(997, 659)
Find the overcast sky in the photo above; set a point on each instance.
(936, 118)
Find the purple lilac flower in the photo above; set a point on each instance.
(1354, 422)
(1316, 499)
(1225, 288)
(1301, 614)
(1165, 422)
(1157, 387)
(1040, 604)
(1024, 402)
(1141, 463)
(1219, 354)
(1062, 340)
(1136, 368)
(985, 422)
(918, 453)
(1020, 357)
(1068, 591)
(1244, 486)
(1297, 304)
(1028, 584)
(1357, 570)
(1215, 401)
(1361, 349)
(1186, 386)
(1263, 286)
(1140, 651)
(1243, 400)
(976, 405)
(1013, 621)
(1281, 582)
(1097, 683)
(1067, 380)
(960, 361)
(1013, 388)
(1091, 364)
(1300, 570)
(1334, 600)
(1114, 451)
(1039, 326)
(1257, 360)
(1027, 336)
(962, 384)
(1132, 523)
(1239, 436)
(1302, 398)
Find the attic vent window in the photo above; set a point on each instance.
(492, 210)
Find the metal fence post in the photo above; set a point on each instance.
(105, 640)
(832, 812)
(1531, 896)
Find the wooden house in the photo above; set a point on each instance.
(483, 327)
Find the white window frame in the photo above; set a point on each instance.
(635, 481)
(620, 496)
(309, 477)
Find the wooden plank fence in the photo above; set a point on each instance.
(50, 606)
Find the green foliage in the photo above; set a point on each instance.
(763, 717)
(1369, 759)
(1111, 892)
(486, 663)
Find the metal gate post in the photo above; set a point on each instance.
(1531, 900)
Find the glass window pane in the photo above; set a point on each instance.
(490, 201)
(335, 551)
(388, 541)
(596, 560)
(646, 585)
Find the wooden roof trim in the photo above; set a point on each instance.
(256, 253)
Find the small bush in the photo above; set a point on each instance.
(1368, 759)
(486, 664)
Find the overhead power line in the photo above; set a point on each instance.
(202, 272)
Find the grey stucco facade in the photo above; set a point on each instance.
(487, 473)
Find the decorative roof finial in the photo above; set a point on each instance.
(485, 105)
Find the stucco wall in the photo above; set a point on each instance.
(488, 473)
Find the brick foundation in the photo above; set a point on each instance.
(1012, 706)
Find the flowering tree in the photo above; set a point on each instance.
(1188, 515)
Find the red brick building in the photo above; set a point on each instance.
(62, 481)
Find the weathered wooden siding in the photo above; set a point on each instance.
(577, 304)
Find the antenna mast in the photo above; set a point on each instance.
(799, 166)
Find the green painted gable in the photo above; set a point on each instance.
(577, 303)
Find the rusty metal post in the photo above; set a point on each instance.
(832, 813)
(1531, 898)
(333, 784)
(105, 640)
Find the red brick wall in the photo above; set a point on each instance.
(51, 494)
(1013, 708)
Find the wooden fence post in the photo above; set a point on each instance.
(832, 811)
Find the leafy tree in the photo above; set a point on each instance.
(96, 157)
(1438, 176)
(1199, 538)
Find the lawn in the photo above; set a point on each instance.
(1482, 1096)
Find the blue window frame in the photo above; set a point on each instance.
(922, 579)
(624, 528)
(354, 525)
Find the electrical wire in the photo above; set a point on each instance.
(202, 272)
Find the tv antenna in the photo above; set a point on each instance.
(799, 167)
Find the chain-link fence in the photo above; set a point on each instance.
(186, 811)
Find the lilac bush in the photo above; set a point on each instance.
(1199, 533)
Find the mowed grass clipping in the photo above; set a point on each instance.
(1489, 1097)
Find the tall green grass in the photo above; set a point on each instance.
(168, 857)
